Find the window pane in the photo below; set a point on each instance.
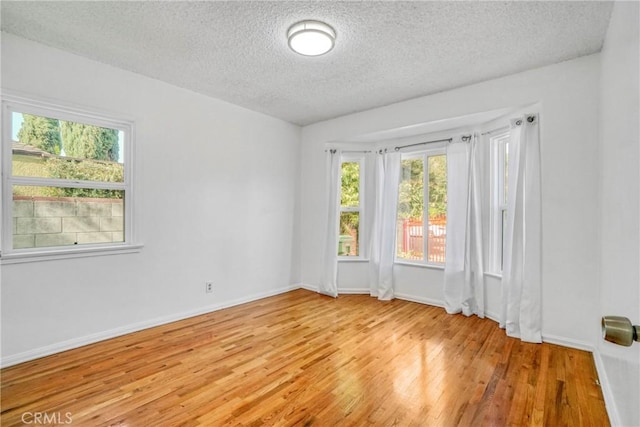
(410, 243)
(50, 148)
(350, 195)
(54, 216)
(349, 234)
(437, 227)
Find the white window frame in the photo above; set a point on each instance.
(424, 155)
(498, 144)
(360, 159)
(30, 105)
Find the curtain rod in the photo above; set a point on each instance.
(422, 143)
(502, 129)
(333, 150)
(465, 138)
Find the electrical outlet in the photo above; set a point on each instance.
(208, 287)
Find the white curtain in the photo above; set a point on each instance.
(370, 202)
(333, 172)
(521, 273)
(383, 237)
(463, 272)
(375, 217)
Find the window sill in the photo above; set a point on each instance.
(352, 259)
(50, 255)
(415, 264)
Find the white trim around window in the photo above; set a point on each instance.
(18, 103)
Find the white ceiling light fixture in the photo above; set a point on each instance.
(311, 38)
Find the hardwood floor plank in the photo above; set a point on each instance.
(301, 359)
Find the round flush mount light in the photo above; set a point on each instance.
(311, 38)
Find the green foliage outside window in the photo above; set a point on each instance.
(89, 142)
(91, 154)
(67, 169)
(350, 198)
(437, 186)
(411, 191)
(41, 132)
(86, 171)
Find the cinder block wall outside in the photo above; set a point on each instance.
(55, 221)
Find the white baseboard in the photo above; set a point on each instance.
(568, 342)
(312, 288)
(612, 410)
(421, 300)
(354, 291)
(345, 291)
(116, 332)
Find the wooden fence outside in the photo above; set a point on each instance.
(411, 239)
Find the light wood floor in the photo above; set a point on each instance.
(304, 359)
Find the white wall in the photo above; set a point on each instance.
(227, 174)
(568, 94)
(620, 207)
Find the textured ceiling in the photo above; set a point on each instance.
(385, 51)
